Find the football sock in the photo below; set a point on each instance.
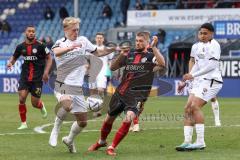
(121, 133)
(22, 112)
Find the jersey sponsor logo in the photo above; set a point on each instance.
(201, 56)
(74, 53)
(30, 58)
(133, 67)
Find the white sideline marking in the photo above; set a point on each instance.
(39, 129)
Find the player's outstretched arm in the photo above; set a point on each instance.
(59, 51)
(119, 61)
(104, 51)
(159, 57)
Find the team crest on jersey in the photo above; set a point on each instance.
(144, 59)
(34, 50)
(204, 91)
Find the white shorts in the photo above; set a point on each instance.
(79, 104)
(101, 81)
(191, 86)
(205, 90)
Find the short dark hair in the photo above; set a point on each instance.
(208, 26)
(100, 33)
(145, 34)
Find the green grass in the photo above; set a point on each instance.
(161, 121)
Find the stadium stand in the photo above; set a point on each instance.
(24, 12)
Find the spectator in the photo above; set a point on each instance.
(161, 35)
(6, 27)
(63, 13)
(107, 11)
(48, 13)
(124, 8)
(49, 42)
(138, 5)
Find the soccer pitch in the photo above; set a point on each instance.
(161, 122)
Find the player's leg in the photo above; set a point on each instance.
(197, 104)
(65, 101)
(210, 90)
(115, 108)
(136, 126)
(36, 92)
(23, 93)
(105, 130)
(188, 125)
(121, 133)
(77, 127)
(215, 109)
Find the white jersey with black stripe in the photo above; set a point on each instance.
(71, 66)
(205, 53)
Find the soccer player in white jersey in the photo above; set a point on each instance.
(207, 83)
(70, 53)
(214, 101)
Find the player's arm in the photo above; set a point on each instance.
(48, 60)
(104, 51)
(120, 60)
(14, 58)
(59, 51)
(191, 64)
(159, 57)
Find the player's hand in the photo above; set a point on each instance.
(187, 77)
(45, 77)
(154, 41)
(124, 50)
(9, 66)
(180, 86)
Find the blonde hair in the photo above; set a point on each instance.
(69, 21)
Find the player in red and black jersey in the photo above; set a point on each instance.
(134, 87)
(35, 69)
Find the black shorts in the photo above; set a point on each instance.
(119, 103)
(34, 87)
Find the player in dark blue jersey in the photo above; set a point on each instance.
(35, 69)
(134, 88)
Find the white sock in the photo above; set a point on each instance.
(75, 130)
(200, 133)
(188, 132)
(215, 109)
(57, 124)
(61, 115)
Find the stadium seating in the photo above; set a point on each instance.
(91, 21)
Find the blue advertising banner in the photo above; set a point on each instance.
(227, 29)
(165, 86)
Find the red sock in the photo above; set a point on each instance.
(105, 130)
(22, 112)
(135, 120)
(39, 105)
(121, 133)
